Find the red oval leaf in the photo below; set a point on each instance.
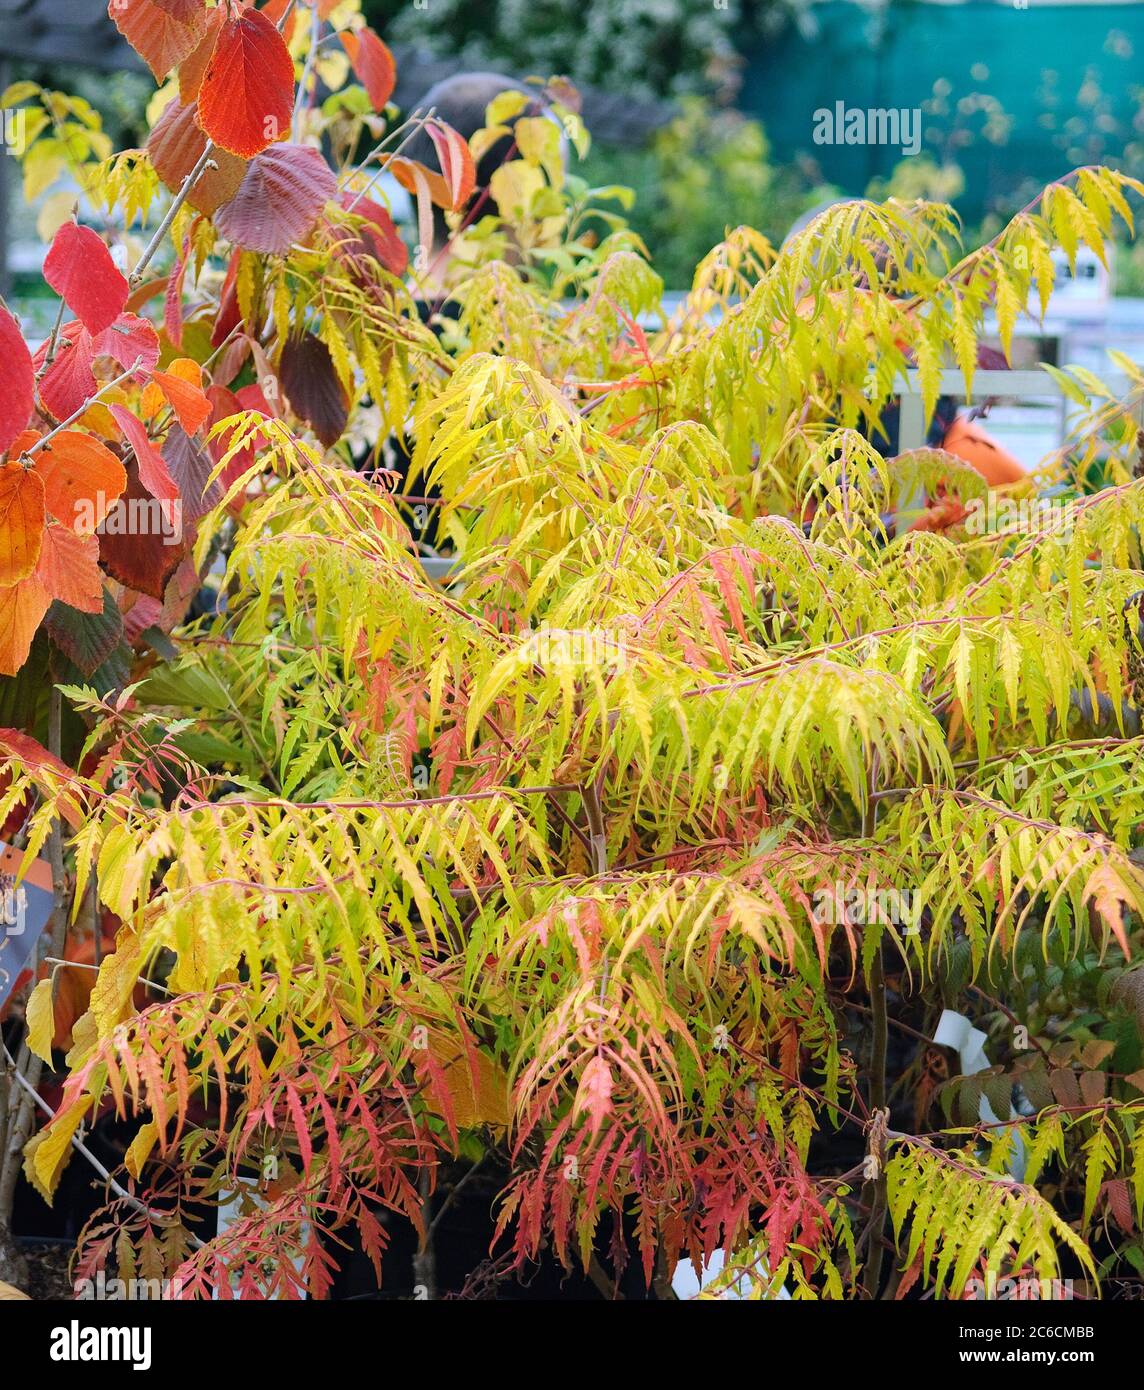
(18, 396)
(128, 341)
(279, 200)
(153, 472)
(79, 268)
(247, 93)
(69, 381)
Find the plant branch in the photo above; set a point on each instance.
(172, 212)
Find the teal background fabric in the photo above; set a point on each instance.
(1071, 78)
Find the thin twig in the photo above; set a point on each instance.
(46, 439)
(172, 212)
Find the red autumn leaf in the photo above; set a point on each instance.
(181, 9)
(307, 373)
(225, 403)
(152, 469)
(69, 569)
(160, 37)
(24, 749)
(373, 65)
(193, 68)
(130, 341)
(247, 93)
(187, 400)
(69, 381)
(175, 145)
(377, 236)
(143, 557)
(279, 200)
(229, 314)
(456, 162)
(21, 521)
(252, 397)
(22, 608)
(79, 268)
(18, 396)
(82, 479)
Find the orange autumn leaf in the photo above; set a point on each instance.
(151, 401)
(456, 160)
(23, 442)
(186, 369)
(21, 521)
(193, 68)
(182, 387)
(82, 479)
(160, 37)
(22, 608)
(419, 180)
(482, 1099)
(1108, 893)
(373, 65)
(69, 568)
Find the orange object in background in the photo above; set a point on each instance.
(968, 441)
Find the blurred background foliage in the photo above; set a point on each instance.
(1010, 99)
(644, 48)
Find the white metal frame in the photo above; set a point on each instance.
(911, 420)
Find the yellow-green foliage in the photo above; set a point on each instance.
(572, 816)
